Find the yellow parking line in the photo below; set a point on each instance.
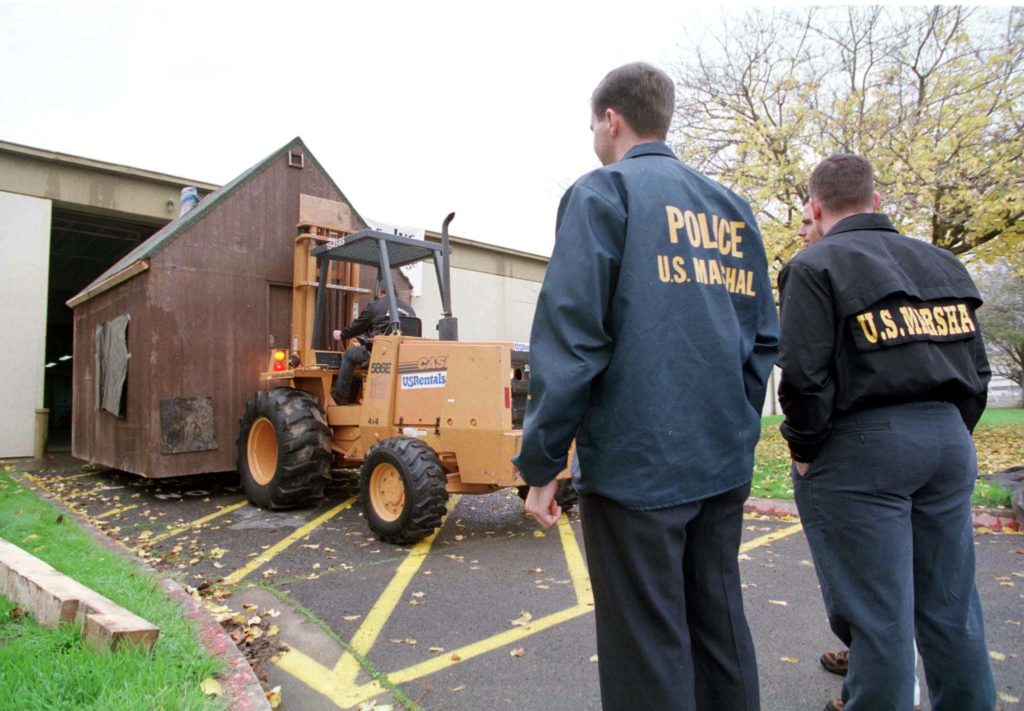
(197, 522)
(299, 534)
(489, 644)
(314, 674)
(82, 475)
(114, 512)
(347, 668)
(577, 568)
(769, 538)
(338, 684)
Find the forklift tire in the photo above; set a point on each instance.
(284, 449)
(402, 487)
(565, 495)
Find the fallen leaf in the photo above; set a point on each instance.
(210, 687)
(593, 658)
(535, 570)
(455, 658)
(517, 652)
(351, 618)
(1008, 699)
(274, 697)
(783, 603)
(743, 556)
(460, 537)
(460, 687)
(539, 534)
(435, 650)
(523, 620)
(217, 552)
(998, 656)
(789, 660)
(419, 594)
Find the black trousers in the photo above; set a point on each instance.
(355, 355)
(886, 507)
(671, 632)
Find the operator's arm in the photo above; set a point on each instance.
(569, 344)
(362, 322)
(807, 388)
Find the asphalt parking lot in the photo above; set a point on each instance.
(489, 613)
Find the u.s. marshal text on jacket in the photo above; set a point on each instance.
(654, 336)
(873, 318)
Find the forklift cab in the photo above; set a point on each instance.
(387, 252)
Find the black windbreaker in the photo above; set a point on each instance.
(873, 318)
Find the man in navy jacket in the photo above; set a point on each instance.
(653, 339)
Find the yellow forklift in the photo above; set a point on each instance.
(434, 416)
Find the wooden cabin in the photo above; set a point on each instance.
(170, 341)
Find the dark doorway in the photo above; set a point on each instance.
(83, 245)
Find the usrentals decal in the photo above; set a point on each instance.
(424, 379)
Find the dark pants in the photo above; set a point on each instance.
(886, 507)
(671, 633)
(354, 355)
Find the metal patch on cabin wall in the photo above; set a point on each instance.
(186, 425)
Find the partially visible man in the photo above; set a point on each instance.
(371, 321)
(837, 662)
(884, 375)
(654, 335)
(808, 232)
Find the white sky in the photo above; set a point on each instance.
(414, 108)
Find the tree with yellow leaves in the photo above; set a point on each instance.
(933, 97)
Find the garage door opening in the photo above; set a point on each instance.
(83, 245)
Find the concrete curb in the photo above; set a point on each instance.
(241, 688)
(983, 518)
(238, 681)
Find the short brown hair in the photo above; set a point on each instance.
(842, 182)
(642, 94)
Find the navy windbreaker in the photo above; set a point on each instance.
(654, 336)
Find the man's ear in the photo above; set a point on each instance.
(815, 209)
(876, 200)
(614, 122)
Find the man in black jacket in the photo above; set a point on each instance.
(372, 321)
(884, 375)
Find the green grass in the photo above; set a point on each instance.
(1002, 417)
(999, 438)
(53, 668)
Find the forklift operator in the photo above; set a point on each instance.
(372, 321)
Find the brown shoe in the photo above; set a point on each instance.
(834, 705)
(836, 662)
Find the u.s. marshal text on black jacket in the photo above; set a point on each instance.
(873, 318)
(654, 335)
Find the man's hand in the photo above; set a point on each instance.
(337, 334)
(540, 504)
(801, 467)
